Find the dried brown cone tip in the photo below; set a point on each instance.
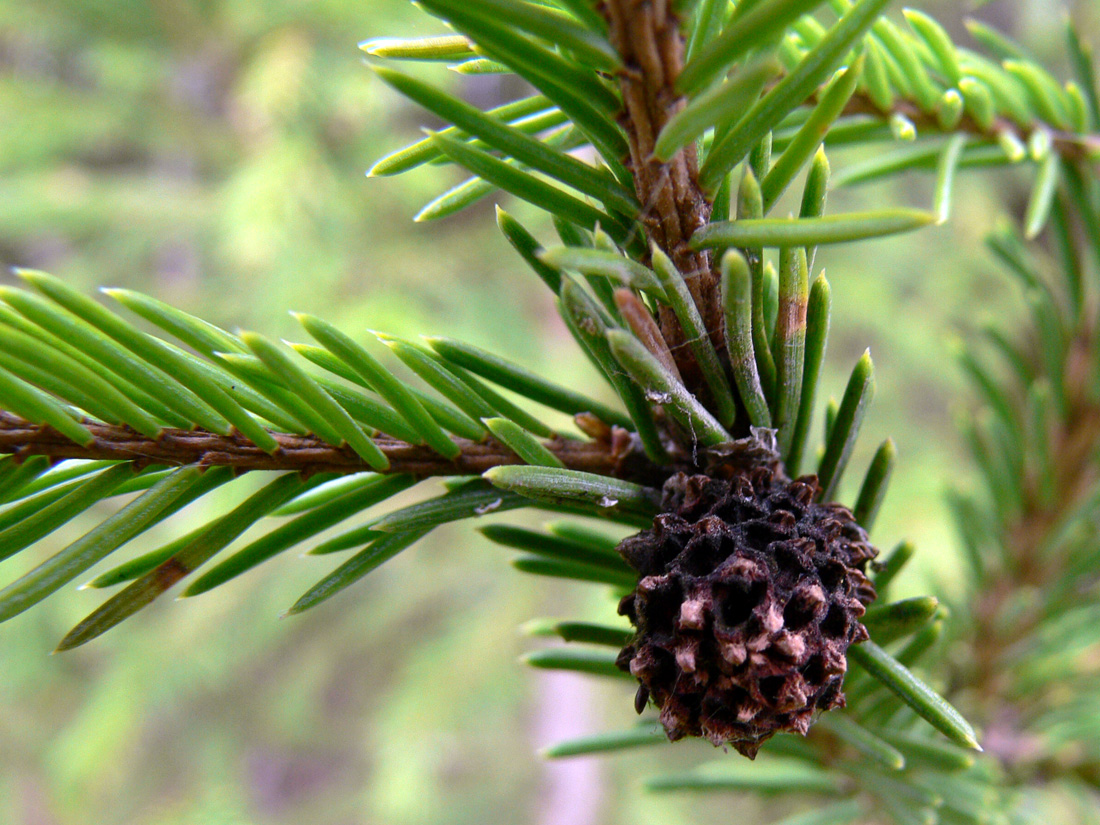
(749, 595)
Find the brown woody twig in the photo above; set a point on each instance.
(304, 454)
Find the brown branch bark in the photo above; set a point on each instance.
(1070, 146)
(304, 454)
(646, 34)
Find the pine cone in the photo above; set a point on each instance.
(749, 595)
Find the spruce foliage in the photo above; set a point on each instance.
(660, 137)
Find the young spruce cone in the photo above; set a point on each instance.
(749, 595)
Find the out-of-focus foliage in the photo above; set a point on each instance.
(212, 153)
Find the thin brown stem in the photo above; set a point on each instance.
(1070, 146)
(304, 454)
(646, 33)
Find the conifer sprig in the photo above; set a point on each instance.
(1027, 523)
(660, 139)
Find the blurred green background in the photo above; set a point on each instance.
(212, 154)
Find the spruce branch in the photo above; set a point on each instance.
(307, 455)
(647, 37)
(651, 47)
(762, 648)
(1069, 145)
(1043, 512)
(1030, 531)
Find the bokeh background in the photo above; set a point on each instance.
(211, 153)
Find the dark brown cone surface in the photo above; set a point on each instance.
(749, 595)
